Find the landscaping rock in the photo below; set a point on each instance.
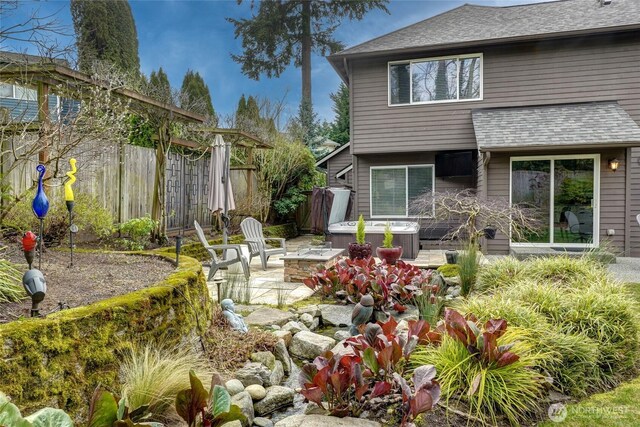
(277, 397)
(454, 291)
(275, 327)
(452, 281)
(235, 423)
(234, 386)
(315, 409)
(266, 316)
(262, 422)
(245, 403)
(285, 335)
(341, 335)
(253, 373)
(264, 357)
(277, 374)
(294, 327)
(309, 345)
(257, 392)
(282, 354)
(412, 313)
(323, 421)
(306, 319)
(336, 315)
(313, 310)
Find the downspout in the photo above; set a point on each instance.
(484, 187)
(627, 203)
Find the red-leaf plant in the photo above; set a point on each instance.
(422, 398)
(482, 344)
(340, 382)
(391, 286)
(384, 352)
(348, 382)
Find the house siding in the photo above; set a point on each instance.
(634, 227)
(365, 163)
(596, 68)
(612, 194)
(335, 165)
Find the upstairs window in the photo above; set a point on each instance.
(447, 79)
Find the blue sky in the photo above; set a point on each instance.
(178, 35)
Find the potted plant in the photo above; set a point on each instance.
(360, 249)
(387, 252)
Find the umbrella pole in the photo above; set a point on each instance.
(225, 219)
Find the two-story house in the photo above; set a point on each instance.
(536, 103)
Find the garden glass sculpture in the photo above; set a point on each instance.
(69, 200)
(40, 206)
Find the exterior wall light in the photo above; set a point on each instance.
(614, 164)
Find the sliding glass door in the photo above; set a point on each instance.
(562, 193)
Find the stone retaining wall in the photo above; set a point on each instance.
(58, 361)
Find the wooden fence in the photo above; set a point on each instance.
(99, 174)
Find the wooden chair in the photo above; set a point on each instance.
(216, 262)
(254, 237)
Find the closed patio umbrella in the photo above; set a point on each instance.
(220, 192)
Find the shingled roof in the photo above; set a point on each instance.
(557, 126)
(471, 25)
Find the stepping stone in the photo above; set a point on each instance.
(266, 316)
(309, 345)
(323, 421)
(336, 315)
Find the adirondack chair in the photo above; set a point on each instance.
(216, 262)
(253, 236)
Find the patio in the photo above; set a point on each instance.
(268, 287)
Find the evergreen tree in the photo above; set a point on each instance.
(339, 131)
(286, 31)
(253, 111)
(242, 107)
(105, 30)
(196, 94)
(159, 86)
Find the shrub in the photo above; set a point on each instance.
(565, 271)
(153, 375)
(360, 237)
(391, 286)
(88, 215)
(139, 231)
(449, 270)
(468, 269)
(11, 289)
(501, 273)
(477, 365)
(388, 236)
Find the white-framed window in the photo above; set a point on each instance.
(393, 188)
(433, 80)
(18, 92)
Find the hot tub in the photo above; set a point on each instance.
(405, 234)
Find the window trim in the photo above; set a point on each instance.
(435, 58)
(595, 241)
(14, 88)
(406, 177)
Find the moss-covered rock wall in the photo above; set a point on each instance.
(197, 251)
(59, 360)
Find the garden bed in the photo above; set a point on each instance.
(95, 276)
